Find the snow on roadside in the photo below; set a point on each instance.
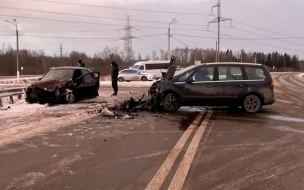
(25, 120)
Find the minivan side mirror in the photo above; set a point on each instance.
(191, 80)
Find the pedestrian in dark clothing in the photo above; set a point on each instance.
(114, 76)
(80, 63)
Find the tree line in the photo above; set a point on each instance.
(37, 62)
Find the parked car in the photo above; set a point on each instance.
(64, 84)
(134, 75)
(216, 84)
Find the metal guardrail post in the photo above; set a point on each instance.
(11, 99)
(1, 105)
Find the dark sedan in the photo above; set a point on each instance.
(64, 84)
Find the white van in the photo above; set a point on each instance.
(153, 66)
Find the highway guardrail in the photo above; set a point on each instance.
(10, 93)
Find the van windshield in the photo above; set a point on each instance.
(135, 66)
(184, 70)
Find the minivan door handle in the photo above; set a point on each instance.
(242, 85)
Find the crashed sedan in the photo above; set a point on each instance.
(64, 84)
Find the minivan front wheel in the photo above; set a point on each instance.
(171, 102)
(252, 103)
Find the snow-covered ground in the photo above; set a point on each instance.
(23, 120)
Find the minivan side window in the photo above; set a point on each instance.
(204, 74)
(254, 73)
(230, 73)
(185, 76)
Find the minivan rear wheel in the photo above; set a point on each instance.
(171, 102)
(252, 103)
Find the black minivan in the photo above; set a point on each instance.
(218, 84)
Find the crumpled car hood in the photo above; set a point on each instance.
(50, 85)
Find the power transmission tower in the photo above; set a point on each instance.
(61, 51)
(219, 19)
(128, 40)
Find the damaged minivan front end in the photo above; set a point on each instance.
(156, 92)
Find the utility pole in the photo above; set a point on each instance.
(219, 19)
(169, 36)
(216, 51)
(60, 50)
(17, 45)
(3, 48)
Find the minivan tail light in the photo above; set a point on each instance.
(271, 84)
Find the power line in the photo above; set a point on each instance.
(258, 28)
(93, 23)
(236, 38)
(272, 45)
(120, 8)
(111, 38)
(90, 16)
(279, 39)
(179, 41)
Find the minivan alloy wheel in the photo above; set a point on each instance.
(171, 102)
(252, 103)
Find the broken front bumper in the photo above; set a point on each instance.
(36, 94)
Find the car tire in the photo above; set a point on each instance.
(69, 98)
(171, 102)
(144, 78)
(120, 79)
(252, 103)
(30, 101)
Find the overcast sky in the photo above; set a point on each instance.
(257, 25)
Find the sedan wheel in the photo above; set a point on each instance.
(252, 104)
(69, 98)
(171, 102)
(144, 78)
(120, 79)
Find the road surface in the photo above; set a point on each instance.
(65, 147)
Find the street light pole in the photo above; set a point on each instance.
(17, 40)
(169, 35)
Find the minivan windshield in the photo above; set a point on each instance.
(184, 70)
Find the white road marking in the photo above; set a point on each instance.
(163, 171)
(182, 171)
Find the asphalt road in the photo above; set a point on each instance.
(191, 149)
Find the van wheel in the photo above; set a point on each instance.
(171, 102)
(252, 103)
(120, 79)
(144, 78)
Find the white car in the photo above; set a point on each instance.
(134, 75)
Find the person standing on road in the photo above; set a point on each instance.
(114, 76)
(80, 63)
